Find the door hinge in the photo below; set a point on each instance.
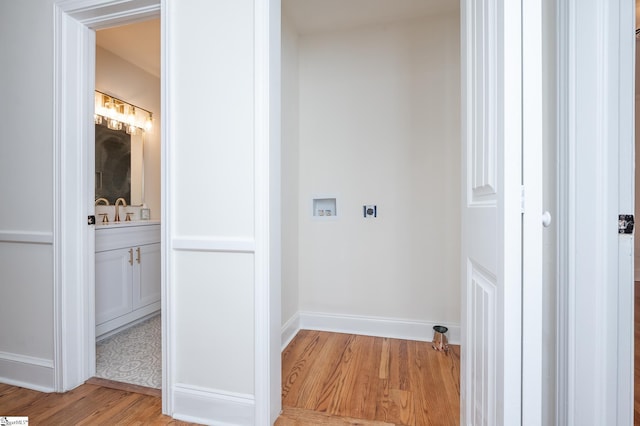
(522, 199)
(625, 224)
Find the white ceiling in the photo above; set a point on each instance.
(137, 43)
(311, 16)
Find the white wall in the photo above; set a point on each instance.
(290, 174)
(379, 124)
(26, 215)
(210, 203)
(122, 79)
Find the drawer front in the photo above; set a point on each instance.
(131, 236)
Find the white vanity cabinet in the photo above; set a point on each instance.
(127, 275)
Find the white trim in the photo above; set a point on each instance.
(623, 122)
(532, 178)
(593, 138)
(116, 325)
(212, 407)
(99, 14)
(225, 245)
(73, 240)
(289, 330)
(31, 237)
(267, 359)
(27, 372)
(565, 280)
(394, 328)
(167, 300)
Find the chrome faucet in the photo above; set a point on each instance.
(124, 204)
(102, 200)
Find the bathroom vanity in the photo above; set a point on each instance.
(127, 274)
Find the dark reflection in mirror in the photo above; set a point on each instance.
(113, 164)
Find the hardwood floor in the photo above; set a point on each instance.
(86, 405)
(342, 379)
(327, 379)
(636, 364)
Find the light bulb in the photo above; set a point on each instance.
(149, 123)
(132, 116)
(114, 124)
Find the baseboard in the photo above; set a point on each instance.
(27, 372)
(116, 325)
(121, 328)
(212, 407)
(289, 330)
(373, 326)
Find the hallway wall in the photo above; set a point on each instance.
(379, 124)
(26, 170)
(290, 171)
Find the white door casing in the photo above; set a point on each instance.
(74, 241)
(595, 184)
(496, 220)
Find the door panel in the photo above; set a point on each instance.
(491, 365)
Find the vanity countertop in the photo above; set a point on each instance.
(109, 225)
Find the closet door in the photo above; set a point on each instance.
(501, 213)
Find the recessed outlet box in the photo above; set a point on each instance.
(324, 207)
(370, 210)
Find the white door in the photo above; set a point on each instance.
(501, 248)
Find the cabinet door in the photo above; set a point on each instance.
(146, 282)
(113, 284)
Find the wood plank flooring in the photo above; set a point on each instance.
(343, 379)
(636, 365)
(85, 405)
(328, 379)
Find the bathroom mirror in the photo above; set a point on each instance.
(119, 147)
(119, 165)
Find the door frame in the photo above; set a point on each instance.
(595, 64)
(74, 240)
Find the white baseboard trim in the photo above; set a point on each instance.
(27, 372)
(289, 330)
(368, 326)
(212, 407)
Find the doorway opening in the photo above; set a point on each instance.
(127, 151)
(371, 118)
(74, 234)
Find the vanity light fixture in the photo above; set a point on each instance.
(119, 114)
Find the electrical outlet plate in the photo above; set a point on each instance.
(370, 210)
